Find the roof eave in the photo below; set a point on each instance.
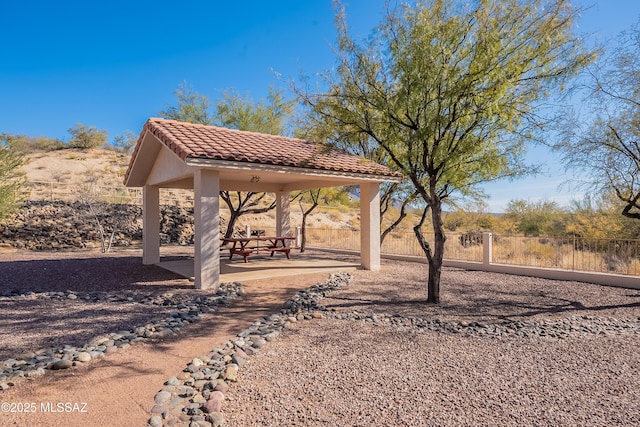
(236, 165)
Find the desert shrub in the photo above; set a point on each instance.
(12, 182)
(85, 137)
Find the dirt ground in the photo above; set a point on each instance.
(118, 389)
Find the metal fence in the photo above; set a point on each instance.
(620, 256)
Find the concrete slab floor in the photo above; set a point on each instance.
(260, 267)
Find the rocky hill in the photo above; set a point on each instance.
(59, 225)
(68, 204)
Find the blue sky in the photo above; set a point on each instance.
(114, 64)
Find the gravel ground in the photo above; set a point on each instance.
(354, 372)
(31, 323)
(340, 371)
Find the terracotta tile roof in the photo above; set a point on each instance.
(195, 141)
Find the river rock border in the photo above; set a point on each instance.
(552, 328)
(195, 396)
(184, 309)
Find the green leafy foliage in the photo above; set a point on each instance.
(236, 112)
(125, 142)
(450, 92)
(539, 218)
(191, 107)
(24, 144)
(12, 182)
(86, 137)
(265, 116)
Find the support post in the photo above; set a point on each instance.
(206, 187)
(370, 226)
(283, 214)
(487, 248)
(150, 224)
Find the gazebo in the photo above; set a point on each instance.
(210, 159)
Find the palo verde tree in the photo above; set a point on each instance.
(607, 145)
(191, 107)
(392, 194)
(236, 112)
(449, 89)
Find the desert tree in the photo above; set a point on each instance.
(269, 116)
(602, 139)
(125, 142)
(312, 200)
(191, 106)
(536, 218)
(398, 195)
(309, 200)
(451, 91)
(85, 137)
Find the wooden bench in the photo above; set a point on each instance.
(286, 250)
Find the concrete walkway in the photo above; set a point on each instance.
(118, 389)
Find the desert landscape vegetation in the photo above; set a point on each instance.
(448, 97)
(303, 375)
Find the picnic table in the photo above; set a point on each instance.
(245, 246)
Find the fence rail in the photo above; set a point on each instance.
(619, 256)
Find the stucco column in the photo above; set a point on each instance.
(283, 214)
(487, 248)
(150, 224)
(206, 188)
(370, 226)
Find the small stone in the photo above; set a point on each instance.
(184, 376)
(34, 373)
(214, 404)
(198, 398)
(173, 381)
(259, 342)
(221, 386)
(240, 353)
(317, 315)
(158, 409)
(162, 397)
(83, 357)
(61, 364)
(216, 419)
(155, 421)
(238, 360)
(231, 372)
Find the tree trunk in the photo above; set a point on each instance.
(303, 233)
(233, 218)
(305, 214)
(435, 263)
(435, 256)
